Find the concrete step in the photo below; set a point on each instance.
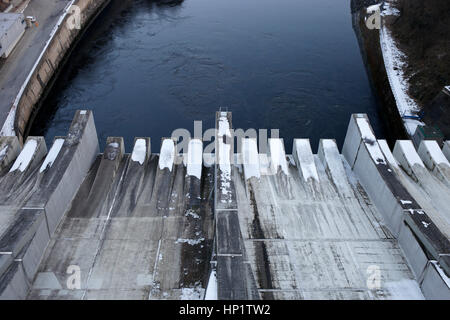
(435, 160)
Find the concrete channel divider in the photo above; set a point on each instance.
(34, 150)
(232, 271)
(54, 189)
(435, 160)
(406, 155)
(165, 175)
(250, 158)
(103, 181)
(304, 158)
(277, 154)
(418, 236)
(13, 188)
(9, 150)
(332, 161)
(133, 177)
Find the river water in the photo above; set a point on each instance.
(146, 69)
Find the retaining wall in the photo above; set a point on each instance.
(51, 59)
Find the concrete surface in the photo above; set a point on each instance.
(76, 224)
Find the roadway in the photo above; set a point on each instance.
(15, 70)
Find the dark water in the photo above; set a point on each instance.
(146, 69)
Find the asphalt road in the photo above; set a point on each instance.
(14, 71)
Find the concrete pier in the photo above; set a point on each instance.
(367, 223)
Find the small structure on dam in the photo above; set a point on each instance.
(364, 223)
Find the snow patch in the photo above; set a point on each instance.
(373, 8)
(3, 152)
(192, 214)
(225, 168)
(191, 242)
(224, 125)
(394, 61)
(25, 156)
(211, 290)
(167, 154)
(410, 153)
(53, 153)
(139, 151)
(194, 158)
(250, 158)
(370, 141)
(196, 293)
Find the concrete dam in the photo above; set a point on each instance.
(366, 222)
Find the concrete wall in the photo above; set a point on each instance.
(398, 208)
(27, 235)
(47, 66)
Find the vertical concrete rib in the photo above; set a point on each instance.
(332, 161)
(250, 158)
(304, 159)
(232, 272)
(194, 164)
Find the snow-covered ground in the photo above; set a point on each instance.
(394, 61)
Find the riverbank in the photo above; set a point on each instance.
(405, 63)
(371, 51)
(45, 69)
